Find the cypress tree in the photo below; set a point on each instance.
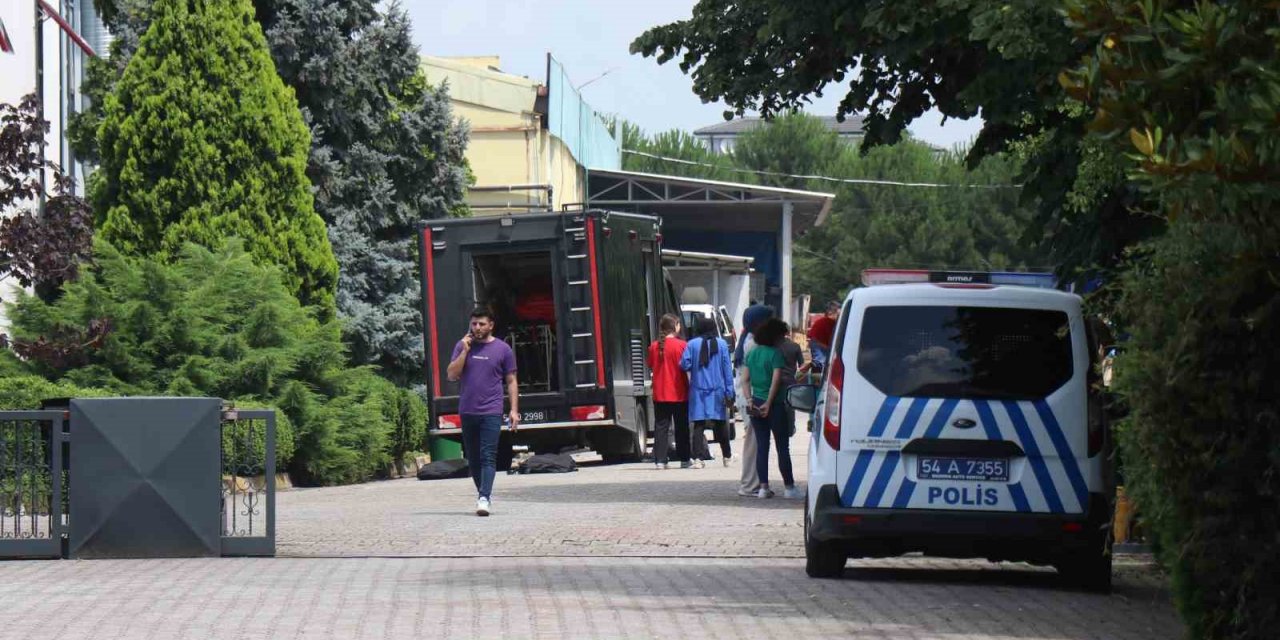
(201, 140)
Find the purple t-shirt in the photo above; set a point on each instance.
(480, 387)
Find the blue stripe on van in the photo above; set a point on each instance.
(940, 418)
(893, 458)
(988, 419)
(1069, 460)
(904, 494)
(863, 462)
(882, 418)
(913, 416)
(855, 477)
(882, 479)
(1034, 456)
(1019, 497)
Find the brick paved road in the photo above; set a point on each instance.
(702, 563)
(378, 598)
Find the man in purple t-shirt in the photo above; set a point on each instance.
(481, 364)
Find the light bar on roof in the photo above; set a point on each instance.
(873, 277)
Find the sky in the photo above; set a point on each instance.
(591, 38)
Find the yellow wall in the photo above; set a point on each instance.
(508, 145)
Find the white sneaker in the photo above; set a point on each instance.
(482, 507)
(746, 494)
(727, 461)
(791, 492)
(657, 466)
(764, 492)
(700, 465)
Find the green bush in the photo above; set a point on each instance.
(201, 140)
(215, 323)
(1202, 442)
(24, 392)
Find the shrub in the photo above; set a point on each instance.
(215, 323)
(1202, 443)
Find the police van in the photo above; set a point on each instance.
(959, 417)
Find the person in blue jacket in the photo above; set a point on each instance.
(709, 362)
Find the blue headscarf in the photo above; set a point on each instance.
(751, 318)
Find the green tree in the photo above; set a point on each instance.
(385, 152)
(201, 141)
(1189, 92)
(674, 152)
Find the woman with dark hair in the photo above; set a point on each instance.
(670, 392)
(710, 366)
(762, 382)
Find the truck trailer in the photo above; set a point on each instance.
(577, 295)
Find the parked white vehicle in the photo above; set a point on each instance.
(958, 418)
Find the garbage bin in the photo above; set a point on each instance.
(444, 449)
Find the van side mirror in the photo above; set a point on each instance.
(802, 397)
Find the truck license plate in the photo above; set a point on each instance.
(983, 469)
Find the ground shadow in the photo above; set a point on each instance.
(673, 492)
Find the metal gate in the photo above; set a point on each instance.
(32, 506)
(248, 483)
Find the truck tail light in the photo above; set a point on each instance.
(831, 410)
(450, 422)
(587, 412)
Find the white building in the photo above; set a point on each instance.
(721, 137)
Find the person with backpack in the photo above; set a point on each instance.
(762, 382)
(709, 362)
(670, 393)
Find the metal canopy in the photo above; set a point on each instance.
(729, 205)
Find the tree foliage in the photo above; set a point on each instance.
(385, 152)
(1188, 92)
(876, 225)
(201, 141)
(215, 323)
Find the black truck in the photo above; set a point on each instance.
(577, 295)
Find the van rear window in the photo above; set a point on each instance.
(965, 352)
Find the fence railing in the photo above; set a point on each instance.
(248, 483)
(31, 484)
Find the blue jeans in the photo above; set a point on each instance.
(775, 424)
(480, 437)
(819, 355)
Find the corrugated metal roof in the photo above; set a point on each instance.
(852, 125)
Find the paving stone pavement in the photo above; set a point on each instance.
(376, 598)
(609, 552)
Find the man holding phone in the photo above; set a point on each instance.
(481, 364)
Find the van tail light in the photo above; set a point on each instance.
(831, 410)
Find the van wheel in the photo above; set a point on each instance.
(821, 559)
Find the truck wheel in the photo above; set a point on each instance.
(641, 442)
(821, 559)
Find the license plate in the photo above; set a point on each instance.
(984, 469)
(537, 416)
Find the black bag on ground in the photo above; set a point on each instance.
(444, 469)
(549, 463)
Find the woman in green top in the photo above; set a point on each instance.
(762, 382)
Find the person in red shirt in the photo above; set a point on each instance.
(821, 333)
(670, 393)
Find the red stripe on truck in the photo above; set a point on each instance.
(427, 252)
(595, 300)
